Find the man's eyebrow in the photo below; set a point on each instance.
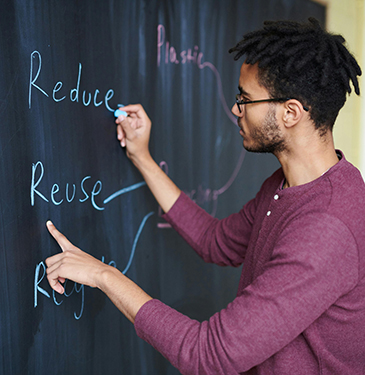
(243, 92)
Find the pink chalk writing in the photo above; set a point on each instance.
(192, 56)
(167, 54)
(201, 195)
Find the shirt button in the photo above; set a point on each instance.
(276, 197)
(268, 213)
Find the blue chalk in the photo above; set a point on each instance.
(119, 112)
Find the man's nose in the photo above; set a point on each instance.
(235, 110)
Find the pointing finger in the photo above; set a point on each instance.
(58, 236)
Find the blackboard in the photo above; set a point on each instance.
(64, 68)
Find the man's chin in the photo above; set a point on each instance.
(257, 149)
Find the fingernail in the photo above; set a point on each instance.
(49, 222)
(122, 143)
(121, 117)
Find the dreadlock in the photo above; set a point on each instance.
(305, 62)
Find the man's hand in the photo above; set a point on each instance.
(133, 132)
(82, 268)
(72, 263)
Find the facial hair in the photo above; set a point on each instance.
(267, 138)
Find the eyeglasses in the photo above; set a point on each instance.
(282, 100)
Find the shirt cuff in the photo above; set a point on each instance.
(153, 323)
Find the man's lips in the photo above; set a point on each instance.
(241, 128)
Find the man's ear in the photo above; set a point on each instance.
(293, 112)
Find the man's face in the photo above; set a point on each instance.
(257, 121)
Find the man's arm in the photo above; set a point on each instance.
(82, 268)
(219, 242)
(134, 133)
(299, 284)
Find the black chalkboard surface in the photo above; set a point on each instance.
(64, 68)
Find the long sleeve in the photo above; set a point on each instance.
(314, 263)
(221, 242)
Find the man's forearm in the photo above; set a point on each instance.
(127, 296)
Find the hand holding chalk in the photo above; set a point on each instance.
(133, 132)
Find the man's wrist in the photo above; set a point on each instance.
(127, 296)
(145, 164)
(105, 276)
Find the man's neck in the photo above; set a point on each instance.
(302, 165)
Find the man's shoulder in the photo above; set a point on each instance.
(347, 186)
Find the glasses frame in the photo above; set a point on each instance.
(240, 102)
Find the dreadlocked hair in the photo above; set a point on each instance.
(305, 62)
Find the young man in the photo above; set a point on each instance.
(300, 306)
